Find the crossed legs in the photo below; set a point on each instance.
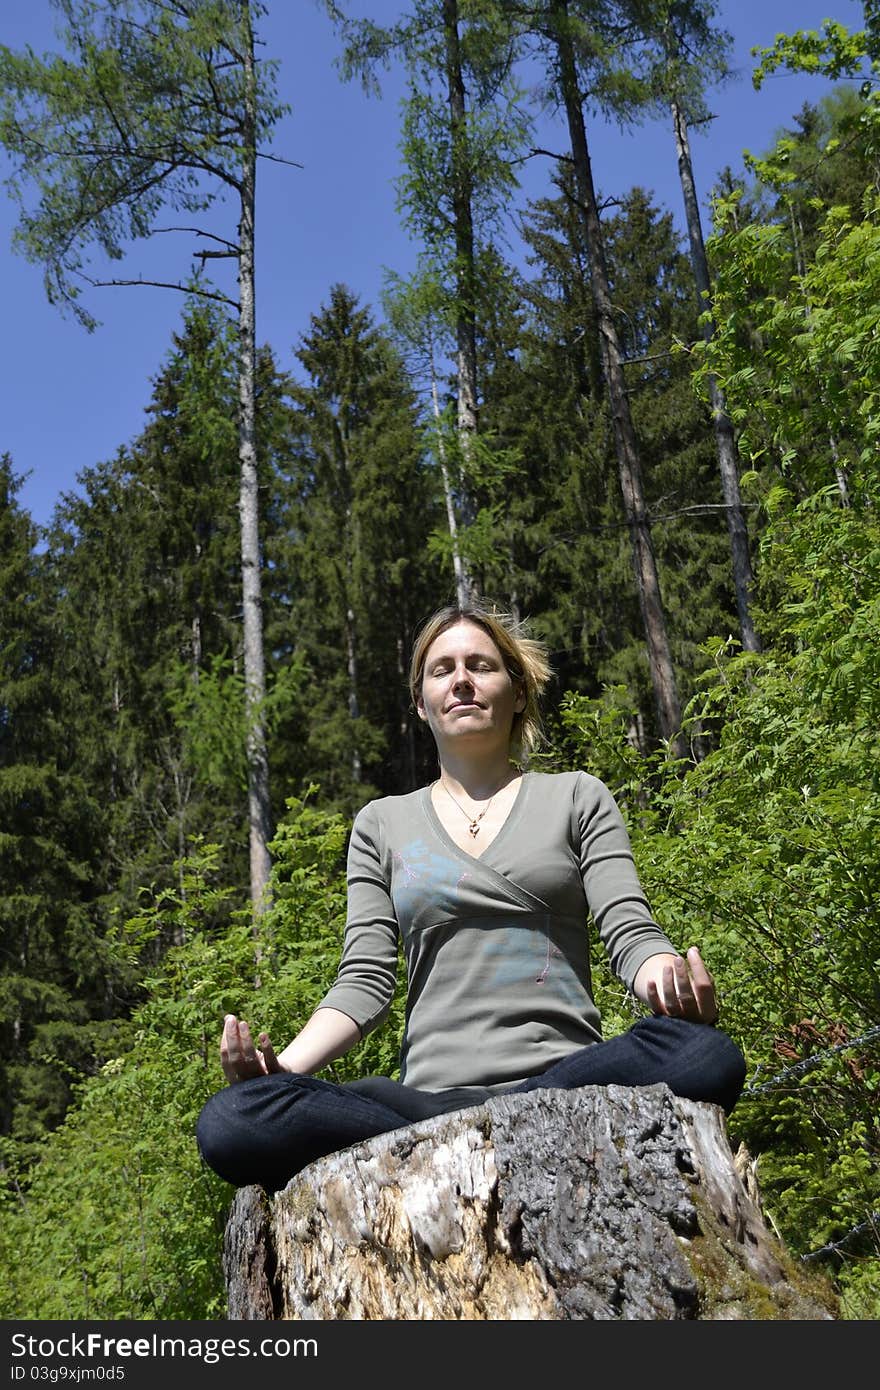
(266, 1130)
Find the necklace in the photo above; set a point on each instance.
(473, 821)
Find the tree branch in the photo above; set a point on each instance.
(232, 246)
(651, 517)
(649, 357)
(168, 285)
(276, 159)
(563, 158)
(702, 507)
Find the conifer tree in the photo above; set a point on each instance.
(415, 310)
(572, 42)
(673, 53)
(677, 53)
(359, 510)
(462, 126)
(146, 566)
(60, 985)
(550, 397)
(182, 107)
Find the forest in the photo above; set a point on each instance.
(660, 450)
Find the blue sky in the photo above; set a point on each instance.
(70, 399)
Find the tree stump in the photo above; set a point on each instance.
(599, 1203)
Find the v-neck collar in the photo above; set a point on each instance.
(512, 816)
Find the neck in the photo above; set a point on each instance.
(478, 779)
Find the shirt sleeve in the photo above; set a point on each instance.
(615, 895)
(367, 973)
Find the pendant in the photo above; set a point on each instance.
(474, 827)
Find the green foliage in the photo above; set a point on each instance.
(171, 80)
(120, 1219)
(143, 574)
(209, 708)
(356, 506)
(800, 366)
(57, 976)
(464, 126)
(834, 52)
(492, 138)
(121, 688)
(670, 49)
(768, 850)
(765, 854)
(563, 546)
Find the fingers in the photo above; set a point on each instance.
(672, 994)
(685, 989)
(703, 987)
(230, 1048)
(239, 1057)
(229, 1042)
(654, 998)
(270, 1061)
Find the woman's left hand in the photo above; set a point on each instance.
(679, 987)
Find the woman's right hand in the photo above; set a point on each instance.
(240, 1058)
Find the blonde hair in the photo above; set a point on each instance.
(525, 658)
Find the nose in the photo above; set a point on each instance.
(461, 677)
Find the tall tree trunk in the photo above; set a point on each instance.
(406, 730)
(743, 576)
(644, 561)
(840, 472)
(259, 814)
(462, 212)
(462, 581)
(196, 645)
(354, 708)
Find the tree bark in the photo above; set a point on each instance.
(743, 576)
(462, 213)
(462, 582)
(606, 1203)
(354, 708)
(406, 730)
(259, 812)
(663, 678)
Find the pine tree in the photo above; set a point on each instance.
(146, 566)
(572, 44)
(549, 396)
(461, 130)
(61, 984)
(183, 108)
(359, 513)
(678, 54)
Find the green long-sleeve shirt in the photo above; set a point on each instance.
(496, 947)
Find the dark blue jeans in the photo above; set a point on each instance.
(266, 1130)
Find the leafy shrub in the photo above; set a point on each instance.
(120, 1218)
(765, 854)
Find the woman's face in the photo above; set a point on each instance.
(467, 692)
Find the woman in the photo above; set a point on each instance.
(486, 877)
